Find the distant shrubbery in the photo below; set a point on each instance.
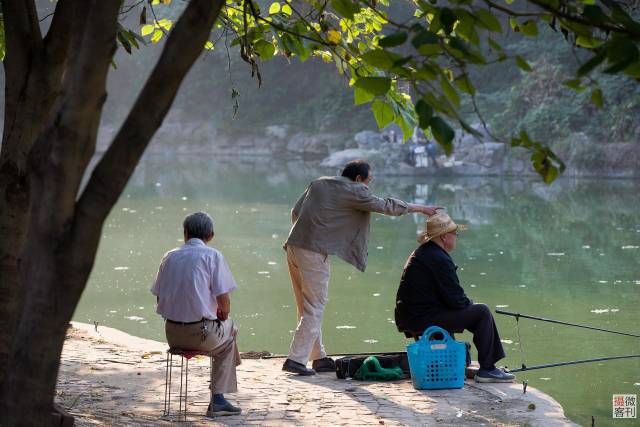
(538, 101)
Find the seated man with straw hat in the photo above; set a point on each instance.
(430, 294)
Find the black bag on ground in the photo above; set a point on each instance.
(346, 367)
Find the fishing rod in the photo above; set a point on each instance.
(574, 362)
(382, 353)
(543, 319)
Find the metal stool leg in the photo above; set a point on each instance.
(167, 384)
(186, 388)
(166, 387)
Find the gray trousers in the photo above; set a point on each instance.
(309, 272)
(220, 339)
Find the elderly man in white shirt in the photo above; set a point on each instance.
(192, 290)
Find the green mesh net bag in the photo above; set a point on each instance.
(371, 370)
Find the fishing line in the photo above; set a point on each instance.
(577, 325)
(573, 362)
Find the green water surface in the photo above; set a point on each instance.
(568, 251)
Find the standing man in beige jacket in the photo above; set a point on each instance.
(332, 217)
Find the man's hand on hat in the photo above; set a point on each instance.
(423, 209)
(431, 210)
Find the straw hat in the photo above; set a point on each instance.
(437, 225)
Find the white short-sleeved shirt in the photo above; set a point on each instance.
(189, 279)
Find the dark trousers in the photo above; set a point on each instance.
(478, 320)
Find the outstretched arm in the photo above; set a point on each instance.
(366, 201)
(423, 209)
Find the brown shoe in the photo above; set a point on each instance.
(326, 364)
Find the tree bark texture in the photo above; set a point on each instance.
(53, 230)
(33, 73)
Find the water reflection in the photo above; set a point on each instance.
(568, 251)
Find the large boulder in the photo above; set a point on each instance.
(309, 144)
(369, 140)
(277, 131)
(480, 159)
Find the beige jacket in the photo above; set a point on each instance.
(332, 217)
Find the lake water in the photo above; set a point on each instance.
(568, 251)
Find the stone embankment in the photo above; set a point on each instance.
(110, 378)
(473, 155)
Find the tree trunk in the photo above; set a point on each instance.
(33, 73)
(63, 230)
(48, 290)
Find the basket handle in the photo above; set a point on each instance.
(431, 330)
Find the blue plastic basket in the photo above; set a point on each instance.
(436, 364)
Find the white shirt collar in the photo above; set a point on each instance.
(195, 242)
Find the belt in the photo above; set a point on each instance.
(187, 323)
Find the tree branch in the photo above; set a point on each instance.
(22, 40)
(182, 48)
(580, 20)
(62, 151)
(57, 39)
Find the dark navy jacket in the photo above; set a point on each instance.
(429, 284)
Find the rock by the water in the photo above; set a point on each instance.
(368, 140)
(340, 158)
(277, 131)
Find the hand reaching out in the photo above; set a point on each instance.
(423, 209)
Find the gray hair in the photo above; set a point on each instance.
(198, 225)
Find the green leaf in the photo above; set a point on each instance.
(382, 112)
(124, 42)
(550, 174)
(514, 24)
(523, 64)
(209, 45)
(424, 112)
(529, 28)
(594, 14)
(588, 42)
(447, 19)
(286, 9)
(443, 133)
(345, 8)
(620, 54)
(464, 84)
(380, 58)
(575, 84)
(395, 39)
(588, 66)
(424, 37)
(463, 51)
(633, 70)
(489, 20)
(427, 72)
(494, 45)
(430, 49)
(467, 30)
(361, 96)
(374, 85)
(264, 49)
(274, 8)
(407, 129)
(157, 35)
(450, 92)
(145, 30)
(596, 98)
